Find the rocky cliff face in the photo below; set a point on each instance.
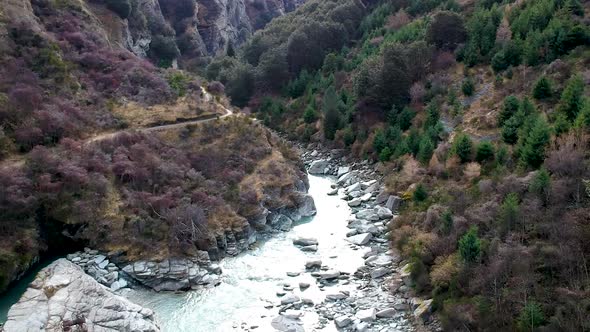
(199, 28)
(64, 298)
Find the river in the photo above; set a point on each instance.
(250, 280)
(246, 298)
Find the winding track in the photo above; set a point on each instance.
(19, 160)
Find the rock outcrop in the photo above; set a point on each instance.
(63, 296)
(199, 28)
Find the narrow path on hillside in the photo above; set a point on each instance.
(207, 96)
(19, 160)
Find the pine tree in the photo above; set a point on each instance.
(485, 152)
(510, 131)
(309, 116)
(533, 152)
(379, 141)
(420, 194)
(541, 185)
(385, 154)
(470, 246)
(331, 114)
(463, 148)
(572, 98)
(426, 149)
(530, 317)
(509, 212)
(510, 107)
(543, 88)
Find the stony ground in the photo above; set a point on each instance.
(382, 297)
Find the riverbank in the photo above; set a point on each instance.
(333, 271)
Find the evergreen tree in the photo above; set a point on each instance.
(432, 115)
(509, 212)
(541, 185)
(470, 246)
(447, 219)
(331, 114)
(533, 152)
(379, 141)
(543, 88)
(385, 154)
(426, 149)
(420, 194)
(310, 115)
(463, 147)
(485, 152)
(468, 87)
(405, 118)
(510, 131)
(530, 317)
(572, 98)
(510, 107)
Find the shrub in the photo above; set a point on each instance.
(331, 113)
(420, 194)
(485, 152)
(463, 147)
(543, 88)
(163, 49)
(470, 246)
(447, 222)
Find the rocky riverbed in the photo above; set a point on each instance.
(331, 272)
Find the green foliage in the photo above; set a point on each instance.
(572, 98)
(481, 31)
(121, 7)
(510, 107)
(468, 87)
(470, 246)
(447, 222)
(310, 114)
(178, 82)
(420, 193)
(541, 185)
(348, 136)
(530, 317)
(425, 150)
(405, 117)
(502, 155)
(446, 30)
(485, 152)
(510, 130)
(561, 124)
(332, 119)
(432, 115)
(509, 212)
(297, 87)
(543, 88)
(164, 49)
(50, 64)
(385, 154)
(379, 141)
(240, 84)
(509, 56)
(533, 152)
(463, 147)
(583, 119)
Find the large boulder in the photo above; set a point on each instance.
(393, 203)
(360, 239)
(318, 167)
(424, 310)
(62, 295)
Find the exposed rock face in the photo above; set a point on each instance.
(63, 295)
(200, 28)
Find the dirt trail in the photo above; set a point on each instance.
(19, 160)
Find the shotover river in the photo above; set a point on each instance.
(247, 299)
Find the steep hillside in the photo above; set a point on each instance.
(78, 166)
(478, 114)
